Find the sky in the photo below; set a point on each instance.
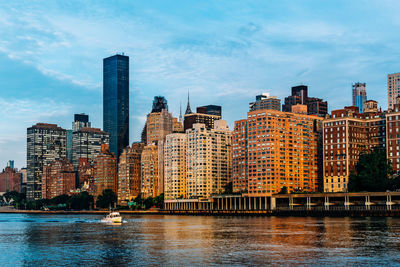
(222, 52)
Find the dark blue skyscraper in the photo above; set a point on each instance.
(116, 101)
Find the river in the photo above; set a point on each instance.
(50, 240)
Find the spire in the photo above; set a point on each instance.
(188, 110)
(180, 111)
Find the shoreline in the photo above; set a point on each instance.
(265, 213)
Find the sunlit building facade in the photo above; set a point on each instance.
(208, 159)
(273, 150)
(175, 166)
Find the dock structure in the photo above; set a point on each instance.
(307, 203)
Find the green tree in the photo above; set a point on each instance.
(82, 201)
(107, 199)
(283, 190)
(148, 202)
(159, 201)
(372, 172)
(228, 189)
(61, 199)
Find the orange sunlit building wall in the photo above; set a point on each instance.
(273, 150)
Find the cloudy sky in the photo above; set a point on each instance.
(223, 52)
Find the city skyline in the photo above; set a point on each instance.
(258, 52)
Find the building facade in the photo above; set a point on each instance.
(208, 159)
(175, 166)
(149, 171)
(116, 101)
(315, 106)
(348, 133)
(105, 172)
(87, 144)
(45, 144)
(129, 173)
(240, 164)
(80, 121)
(10, 179)
(273, 150)
(265, 101)
(85, 172)
(393, 87)
(359, 96)
(158, 126)
(58, 178)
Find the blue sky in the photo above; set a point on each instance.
(223, 52)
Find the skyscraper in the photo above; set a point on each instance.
(315, 106)
(45, 144)
(393, 86)
(359, 96)
(105, 172)
(129, 173)
(159, 103)
(265, 101)
(87, 144)
(273, 149)
(58, 178)
(175, 166)
(80, 121)
(348, 133)
(208, 159)
(116, 101)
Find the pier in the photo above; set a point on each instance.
(319, 204)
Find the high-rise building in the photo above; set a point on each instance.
(45, 144)
(210, 110)
(371, 106)
(69, 145)
(208, 159)
(149, 161)
(240, 164)
(129, 173)
(206, 119)
(105, 172)
(393, 138)
(393, 87)
(58, 178)
(205, 114)
(80, 121)
(359, 96)
(24, 179)
(273, 149)
(347, 133)
(85, 172)
(315, 106)
(87, 144)
(116, 101)
(10, 178)
(159, 103)
(265, 101)
(158, 125)
(175, 166)
(177, 126)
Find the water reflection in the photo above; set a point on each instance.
(197, 240)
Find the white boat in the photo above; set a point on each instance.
(113, 217)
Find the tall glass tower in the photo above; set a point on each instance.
(359, 96)
(116, 101)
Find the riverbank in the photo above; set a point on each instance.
(100, 212)
(265, 213)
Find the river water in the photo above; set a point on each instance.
(51, 240)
